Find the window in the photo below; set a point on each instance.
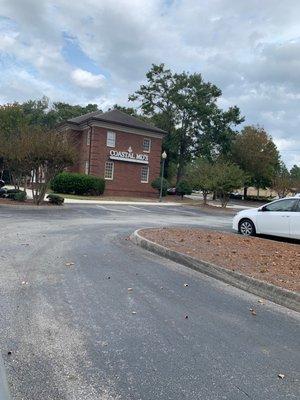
(86, 168)
(146, 145)
(282, 205)
(145, 174)
(111, 139)
(109, 170)
(88, 138)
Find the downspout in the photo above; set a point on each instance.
(90, 149)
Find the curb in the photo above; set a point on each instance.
(266, 290)
(4, 393)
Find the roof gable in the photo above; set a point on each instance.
(117, 117)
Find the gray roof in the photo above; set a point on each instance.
(116, 117)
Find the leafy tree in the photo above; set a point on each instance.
(186, 107)
(16, 155)
(227, 178)
(216, 134)
(11, 118)
(37, 154)
(200, 174)
(39, 113)
(295, 176)
(282, 182)
(183, 187)
(156, 184)
(127, 110)
(256, 153)
(51, 152)
(62, 111)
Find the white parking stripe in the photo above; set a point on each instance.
(140, 208)
(112, 209)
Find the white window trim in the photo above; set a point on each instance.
(112, 170)
(145, 166)
(147, 151)
(107, 141)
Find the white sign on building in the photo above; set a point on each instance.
(129, 156)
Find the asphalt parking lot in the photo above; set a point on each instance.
(70, 329)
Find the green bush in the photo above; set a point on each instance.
(10, 194)
(55, 199)
(20, 196)
(156, 184)
(183, 187)
(79, 184)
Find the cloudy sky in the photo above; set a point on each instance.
(99, 50)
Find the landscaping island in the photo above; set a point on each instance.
(267, 260)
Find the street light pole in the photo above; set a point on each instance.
(163, 156)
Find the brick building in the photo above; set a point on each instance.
(122, 149)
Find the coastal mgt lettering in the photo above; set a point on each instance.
(129, 156)
(122, 149)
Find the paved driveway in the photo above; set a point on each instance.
(76, 332)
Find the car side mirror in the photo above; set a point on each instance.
(263, 208)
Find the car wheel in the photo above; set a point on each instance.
(246, 227)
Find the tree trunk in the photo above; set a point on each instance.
(181, 164)
(245, 192)
(204, 197)
(258, 192)
(180, 171)
(224, 199)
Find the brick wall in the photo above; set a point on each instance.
(127, 175)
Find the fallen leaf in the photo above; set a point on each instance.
(69, 264)
(253, 312)
(261, 301)
(130, 289)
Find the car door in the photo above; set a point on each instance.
(274, 218)
(295, 222)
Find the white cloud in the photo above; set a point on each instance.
(86, 79)
(251, 50)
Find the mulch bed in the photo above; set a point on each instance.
(268, 260)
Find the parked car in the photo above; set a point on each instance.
(171, 190)
(236, 196)
(278, 218)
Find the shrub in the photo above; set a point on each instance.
(10, 193)
(156, 184)
(183, 187)
(13, 191)
(80, 184)
(20, 196)
(55, 199)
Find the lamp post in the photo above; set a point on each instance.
(163, 156)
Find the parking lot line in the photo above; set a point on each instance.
(111, 209)
(140, 208)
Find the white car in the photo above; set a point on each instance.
(278, 218)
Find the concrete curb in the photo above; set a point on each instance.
(266, 290)
(4, 393)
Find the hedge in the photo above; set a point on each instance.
(55, 199)
(80, 184)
